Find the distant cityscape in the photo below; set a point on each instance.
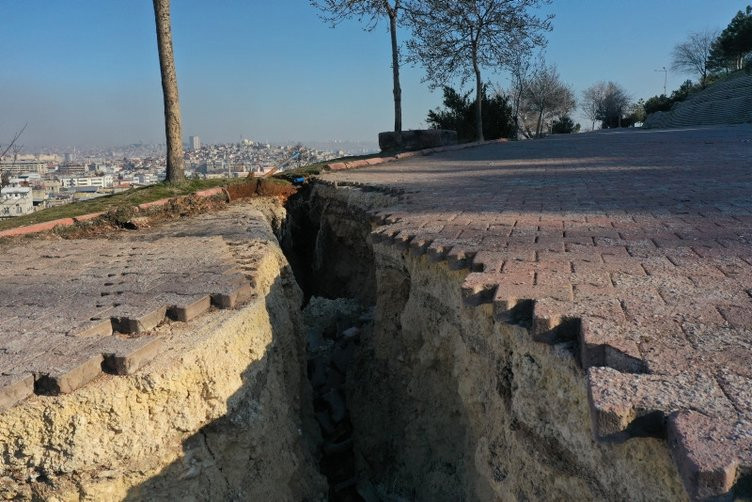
(35, 181)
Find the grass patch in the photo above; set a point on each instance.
(317, 168)
(131, 197)
(136, 196)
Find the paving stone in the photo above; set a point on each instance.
(138, 318)
(634, 246)
(65, 369)
(186, 307)
(14, 388)
(125, 355)
(61, 301)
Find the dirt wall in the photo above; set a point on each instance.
(222, 414)
(448, 404)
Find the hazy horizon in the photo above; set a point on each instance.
(86, 73)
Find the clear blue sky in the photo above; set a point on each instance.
(85, 72)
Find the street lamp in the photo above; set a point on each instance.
(665, 78)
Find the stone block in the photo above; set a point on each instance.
(417, 139)
(124, 355)
(14, 388)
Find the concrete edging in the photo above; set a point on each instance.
(341, 166)
(67, 222)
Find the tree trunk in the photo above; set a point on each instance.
(173, 128)
(478, 100)
(395, 74)
(517, 101)
(540, 124)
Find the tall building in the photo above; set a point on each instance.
(195, 142)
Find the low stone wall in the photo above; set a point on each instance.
(416, 139)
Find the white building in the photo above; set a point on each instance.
(16, 201)
(93, 181)
(26, 179)
(195, 143)
(16, 167)
(146, 179)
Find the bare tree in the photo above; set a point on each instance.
(614, 105)
(13, 145)
(547, 96)
(520, 69)
(371, 11)
(592, 101)
(173, 127)
(693, 55)
(457, 38)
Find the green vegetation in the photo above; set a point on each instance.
(131, 197)
(564, 125)
(459, 115)
(165, 190)
(731, 50)
(319, 167)
(713, 58)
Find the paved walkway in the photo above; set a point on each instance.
(70, 309)
(636, 244)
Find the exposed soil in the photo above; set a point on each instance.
(429, 399)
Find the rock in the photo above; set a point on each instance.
(366, 490)
(344, 485)
(314, 341)
(335, 400)
(334, 378)
(332, 448)
(326, 424)
(317, 369)
(351, 333)
(343, 356)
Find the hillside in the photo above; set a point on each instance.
(725, 102)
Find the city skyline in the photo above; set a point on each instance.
(86, 73)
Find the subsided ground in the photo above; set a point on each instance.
(565, 318)
(636, 245)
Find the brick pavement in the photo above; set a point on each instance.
(633, 245)
(71, 309)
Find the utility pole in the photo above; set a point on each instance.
(665, 78)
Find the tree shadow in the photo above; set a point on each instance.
(679, 172)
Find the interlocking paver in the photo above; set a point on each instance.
(637, 244)
(71, 309)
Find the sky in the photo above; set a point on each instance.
(86, 72)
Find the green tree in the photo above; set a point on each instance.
(564, 125)
(733, 46)
(459, 112)
(660, 103)
(638, 115)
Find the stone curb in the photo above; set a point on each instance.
(374, 161)
(66, 222)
